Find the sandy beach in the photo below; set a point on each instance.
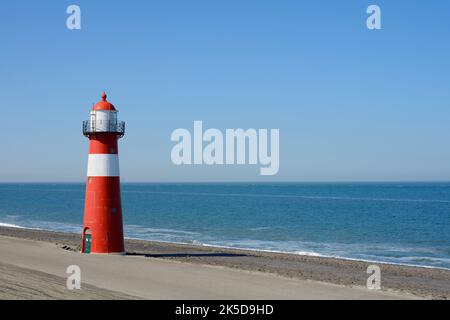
(33, 265)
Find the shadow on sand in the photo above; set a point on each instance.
(185, 255)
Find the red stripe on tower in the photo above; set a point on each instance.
(103, 226)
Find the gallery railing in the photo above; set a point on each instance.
(91, 127)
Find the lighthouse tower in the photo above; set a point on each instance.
(103, 227)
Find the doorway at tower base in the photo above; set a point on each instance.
(87, 241)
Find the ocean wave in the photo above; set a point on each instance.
(380, 253)
(44, 225)
(306, 253)
(9, 225)
(141, 229)
(440, 263)
(260, 228)
(43, 190)
(288, 196)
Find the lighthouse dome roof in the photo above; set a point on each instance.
(104, 105)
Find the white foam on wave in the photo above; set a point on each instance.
(306, 253)
(387, 262)
(260, 228)
(9, 225)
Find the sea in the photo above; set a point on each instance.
(398, 223)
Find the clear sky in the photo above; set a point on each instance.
(351, 104)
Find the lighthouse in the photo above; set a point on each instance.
(103, 226)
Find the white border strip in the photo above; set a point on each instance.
(103, 165)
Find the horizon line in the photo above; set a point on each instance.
(236, 181)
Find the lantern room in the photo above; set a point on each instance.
(103, 118)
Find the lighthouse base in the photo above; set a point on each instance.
(106, 254)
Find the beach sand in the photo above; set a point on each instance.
(33, 265)
(20, 283)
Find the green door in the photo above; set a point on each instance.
(87, 243)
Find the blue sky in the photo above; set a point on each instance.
(351, 104)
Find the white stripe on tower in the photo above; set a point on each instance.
(103, 165)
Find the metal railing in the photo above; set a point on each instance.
(102, 126)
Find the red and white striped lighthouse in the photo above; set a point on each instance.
(103, 227)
